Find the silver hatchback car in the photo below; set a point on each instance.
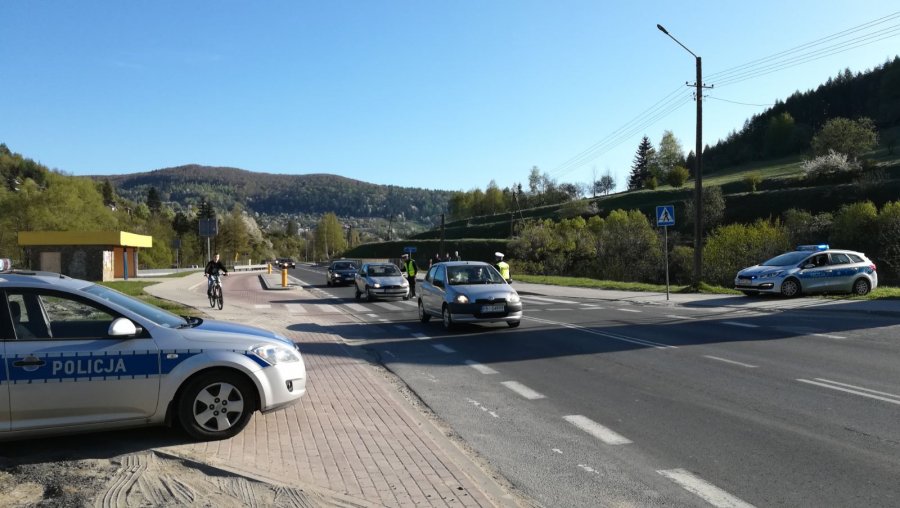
(381, 280)
(77, 356)
(810, 269)
(468, 292)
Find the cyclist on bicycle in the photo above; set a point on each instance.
(212, 273)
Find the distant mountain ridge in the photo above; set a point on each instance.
(272, 194)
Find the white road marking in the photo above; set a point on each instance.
(595, 429)
(442, 348)
(403, 327)
(195, 286)
(608, 335)
(545, 299)
(421, 336)
(558, 309)
(856, 390)
(388, 306)
(673, 316)
(730, 361)
(408, 302)
(295, 308)
(735, 323)
(709, 492)
(373, 316)
(383, 320)
(326, 308)
(523, 390)
(628, 310)
(829, 336)
(484, 369)
(586, 307)
(262, 306)
(357, 307)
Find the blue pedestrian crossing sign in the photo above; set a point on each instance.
(665, 215)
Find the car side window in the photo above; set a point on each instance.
(855, 258)
(69, 318)
(439, 275)
(430, 276)
(840, 259)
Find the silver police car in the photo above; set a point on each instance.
(78, 356)
(810, 269)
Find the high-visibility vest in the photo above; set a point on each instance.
(503, 266)
(411, 268)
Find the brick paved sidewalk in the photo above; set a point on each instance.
(352, 435)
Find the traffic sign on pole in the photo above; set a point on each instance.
(665, 215)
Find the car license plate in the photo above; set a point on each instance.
(486, 309)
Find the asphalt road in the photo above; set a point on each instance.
(604, 403)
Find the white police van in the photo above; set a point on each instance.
(810, 269)
(78, 356)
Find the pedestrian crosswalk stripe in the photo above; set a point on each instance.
(388, 306)
(262, 306)
(357, 307)
(324, 308)
(540, 299)
(295, 308)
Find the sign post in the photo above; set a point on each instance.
(665, 217)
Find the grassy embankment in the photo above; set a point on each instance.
(135, 288)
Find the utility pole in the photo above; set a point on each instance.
(390, 227)
(441, 248)
(698, 165)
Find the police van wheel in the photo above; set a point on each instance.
(216, 405)
(861, 287)
(790, 288)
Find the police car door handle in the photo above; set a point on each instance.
(29, 363)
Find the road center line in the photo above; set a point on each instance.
(730, 361)
(595, 429)
(442, 348)
(421, 336)
(484, 369)
(735, 323)
(856, 390)
(522, 390)
(673, 316)
(709, 492)
(829, 336)
(629, 310)
(545, 299)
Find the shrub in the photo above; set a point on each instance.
(753, 180)
(678, 176)
(806, 228)
(651, 183)
(889, 238)
(829, 164)
(736, 246)
(854, 227)
(681, 265)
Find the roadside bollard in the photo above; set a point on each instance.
(269, 268)
(284, 277)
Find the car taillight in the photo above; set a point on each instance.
(872, 266)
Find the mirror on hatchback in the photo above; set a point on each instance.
(123, 327)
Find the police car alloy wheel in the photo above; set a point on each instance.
(861, 287)
(216, 405)
(790, 288)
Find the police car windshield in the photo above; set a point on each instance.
(155, 314)
(788, 258)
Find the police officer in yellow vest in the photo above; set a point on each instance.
(502, 266)
(411, 269)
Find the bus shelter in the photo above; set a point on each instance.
(88, 255)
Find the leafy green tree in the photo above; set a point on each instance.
(854, 227)
(669, 155)
(605, 184)
(292, 229)
(806, 228)
(109, 194)
(888, 225)
(849, 137)
(780, 135)
(234, 236)
(329, 237)
(713, 208)
(752, 180)
(629, 249)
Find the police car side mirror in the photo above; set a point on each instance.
(808, 266)
(123, 327)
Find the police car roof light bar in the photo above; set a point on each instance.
(820, 247)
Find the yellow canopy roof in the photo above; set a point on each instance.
(112, 238)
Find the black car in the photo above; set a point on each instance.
(340, 273)
(285, 263)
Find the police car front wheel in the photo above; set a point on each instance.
(790, 288)
(216, 405)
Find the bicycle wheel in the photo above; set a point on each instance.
(212, 297)
(221, 301)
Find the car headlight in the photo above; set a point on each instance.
(771, 274)
(513, 298)
(461, 299)
(376, 285)
(274, 355)
(404, 283)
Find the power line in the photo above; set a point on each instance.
(736, 102)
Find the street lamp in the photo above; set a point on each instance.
(698, 169)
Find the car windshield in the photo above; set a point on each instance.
(788, 258)
(344, 266)
(483, 274)
(151, 312)
(383, 271)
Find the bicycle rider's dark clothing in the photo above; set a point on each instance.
(212, 270)
(214, 267)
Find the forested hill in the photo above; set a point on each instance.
(275, 193)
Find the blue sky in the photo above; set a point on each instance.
(443, 95)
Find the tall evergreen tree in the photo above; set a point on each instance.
(154, 203)
(640, 169)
